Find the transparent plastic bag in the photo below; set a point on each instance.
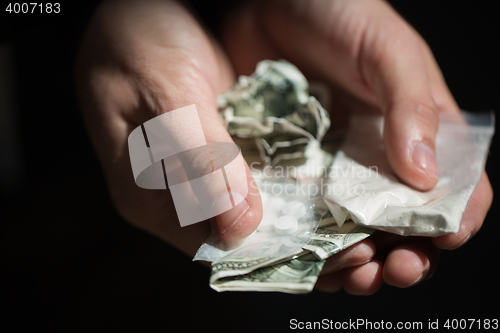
(362, 186)
(290, 218)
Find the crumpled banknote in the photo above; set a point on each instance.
(295, 274)
(273, 107)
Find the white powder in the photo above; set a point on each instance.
(362, 187)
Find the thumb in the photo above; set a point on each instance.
(369, 50)
(241, 191)
(400, 79)
(182, 72)
(409, 137)
(205, 171)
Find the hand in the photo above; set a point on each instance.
(140, 59)
(374, 62)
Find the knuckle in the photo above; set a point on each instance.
(425, 114)
(174, 86)
(201, 162)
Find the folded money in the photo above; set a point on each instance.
(273, 107)
(295, 274)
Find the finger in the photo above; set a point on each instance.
(441, 93)
(242, 220)
(380, 60)
(385, 241)
(329, 283)
(332, 273)
(355, 255)
(482, 197)
(472, 218)
(226, 183)
(409, 264)
(245, 42)
(397, 71)
(365, 279)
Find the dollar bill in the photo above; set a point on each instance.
(332, 239)
(297, 274)
(273, 106)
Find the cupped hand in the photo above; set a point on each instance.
(374, 62)
(138, 60)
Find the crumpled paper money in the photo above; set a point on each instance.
(273, 107)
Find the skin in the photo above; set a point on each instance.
(139, 59)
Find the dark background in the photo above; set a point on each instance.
(69, 262)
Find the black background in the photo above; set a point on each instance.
(69, 262)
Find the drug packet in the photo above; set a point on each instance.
(363, 188)
(290, 218)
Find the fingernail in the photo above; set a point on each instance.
(466, 239)
(418, 280)
(229, 218)
(424, 158)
